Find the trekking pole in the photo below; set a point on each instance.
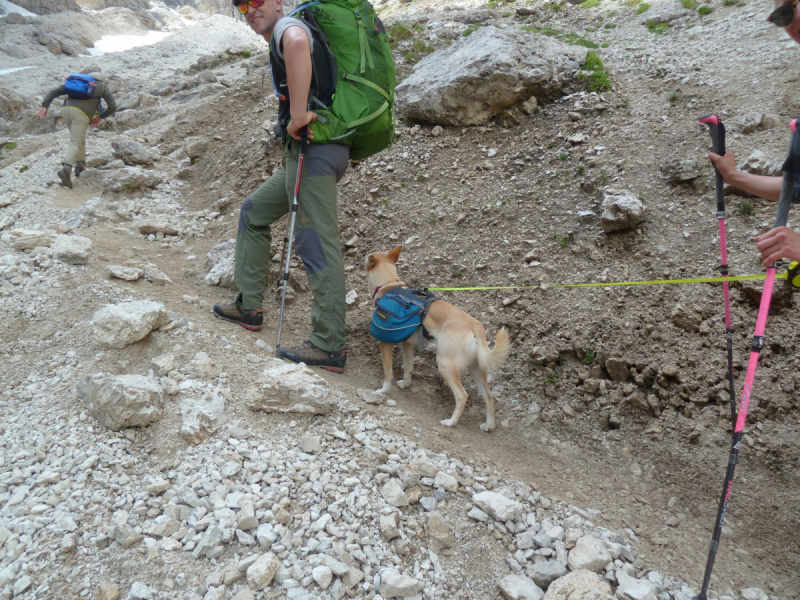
(791, 174)
(287, 241)
(717, 131)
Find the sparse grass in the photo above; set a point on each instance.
(603, 178)
(24, 168)
(11, 145)
(745, 207)
(550, 377)
(472, 28)
(581, 168)
(588, 357)
(632, 3)
(550, 144)
(398, 33)
(730, 2)
(610, 26)
(246, 54)
(689, 4)
(704, 11)
(611, 14)
(598, 81)
(674, 97)
(563, 241)
(641, 8)
(417, 27)
(458, 274)
(656, 27)
(590, 3)
(563, 156)
(417, 51)
(565, 36)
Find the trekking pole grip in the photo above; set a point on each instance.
(717, 131)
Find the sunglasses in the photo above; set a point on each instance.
(783, 16)
(243, 7)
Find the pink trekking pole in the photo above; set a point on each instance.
(789, 195)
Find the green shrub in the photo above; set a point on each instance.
(11, 145)
(674, 97)
(632, 3)
(246, 54)
(588, 357)
(25, 168)
(641, 8)
(689, 4)
(598, 81)
(563, 156)
(745, 207)
(398, 33)
(705, 11)
(657, 28)
(590, 3)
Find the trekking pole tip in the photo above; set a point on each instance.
(700, 596)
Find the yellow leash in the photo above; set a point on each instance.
(545, 286)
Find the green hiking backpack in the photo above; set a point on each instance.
(353, 80)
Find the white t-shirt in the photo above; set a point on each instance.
(282, 25)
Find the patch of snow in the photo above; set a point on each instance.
(119, 43)
(9, 7)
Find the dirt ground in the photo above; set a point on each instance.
(467, 217)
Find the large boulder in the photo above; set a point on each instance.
(72, 249)
(220, 263)
(519, 587)
(582, 584)
(481, 76)
(119, 325)
(290, 388)
(131, 152)
(120, 401)
(621, 210)
(202, 418)
(498, 506)
(589, 553)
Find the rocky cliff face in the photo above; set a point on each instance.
(47, 7)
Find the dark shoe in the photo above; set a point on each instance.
(252, 319)
(63, 175)
(317, 357)
(79, 168)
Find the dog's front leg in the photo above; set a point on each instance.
(386, 354)
(408, 363)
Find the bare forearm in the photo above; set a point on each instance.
(298, 69)
(758, 185)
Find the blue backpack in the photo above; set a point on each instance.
(78, 85)
(399, 313)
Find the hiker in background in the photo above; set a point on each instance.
(781, 242)
(317, 237)
(82, 109)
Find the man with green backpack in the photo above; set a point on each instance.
(82, 109)
(333, 73)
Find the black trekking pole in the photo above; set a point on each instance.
(287, 241)
(791, 185)
(717, 131)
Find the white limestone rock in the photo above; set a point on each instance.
(290, 388)
(119, 325)
(121, 401)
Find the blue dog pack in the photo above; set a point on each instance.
(399, 313)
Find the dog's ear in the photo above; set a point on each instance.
(370, 261)
(395, 253)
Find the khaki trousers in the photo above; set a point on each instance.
(78, 124)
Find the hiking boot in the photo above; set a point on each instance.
(311, 355)
(64, 175)
(249, 319)
(79, 168)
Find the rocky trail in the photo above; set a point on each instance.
(151, 451)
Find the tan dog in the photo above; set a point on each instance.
(460, 342)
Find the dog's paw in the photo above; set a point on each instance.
(403, 384)
(385, 389)
(447, 422)
(487, 427)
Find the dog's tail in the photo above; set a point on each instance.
(491, 360)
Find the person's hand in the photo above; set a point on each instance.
(42, 112)
(781, 242)
(94, 122)
(726, 165)
(297, 123)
